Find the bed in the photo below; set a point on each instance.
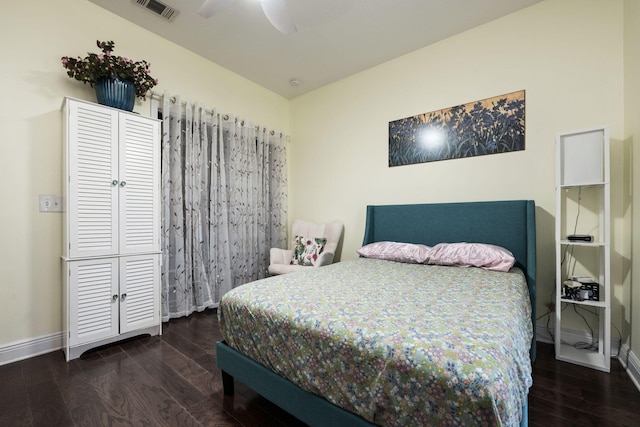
(412, 372)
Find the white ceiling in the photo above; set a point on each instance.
(335, 38)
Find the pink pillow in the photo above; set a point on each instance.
(489, 257)
(396, 251)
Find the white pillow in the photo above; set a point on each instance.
(483, 255)
(396, 251)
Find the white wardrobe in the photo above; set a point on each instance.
(111, 226)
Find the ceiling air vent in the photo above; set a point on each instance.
(159, 8)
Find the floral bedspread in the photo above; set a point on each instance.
(398, 344)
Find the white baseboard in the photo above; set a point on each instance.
(631, 363)
(25, 349)
(571, 337)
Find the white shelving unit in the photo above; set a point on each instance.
(111, 236)
(583, 207)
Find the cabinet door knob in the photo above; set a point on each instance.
(123, 183)
(115, 297)
(114, 182)
(123, 296)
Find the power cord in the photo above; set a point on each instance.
(594, 345)
(584, 345)
(619, 340)
(575, 230)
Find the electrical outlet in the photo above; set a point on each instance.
(50, 203)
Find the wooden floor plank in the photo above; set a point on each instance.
(47, 405)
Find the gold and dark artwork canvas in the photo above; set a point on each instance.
(490, 126)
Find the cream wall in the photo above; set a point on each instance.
(566, 54)
(632, 140)
(34, 34)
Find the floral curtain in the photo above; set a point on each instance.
(224, 200)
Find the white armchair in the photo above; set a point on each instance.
(281, 259)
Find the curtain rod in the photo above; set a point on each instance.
(173, 100)
(224, 117)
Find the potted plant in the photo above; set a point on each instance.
(117, 80)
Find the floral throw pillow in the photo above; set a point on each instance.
(306, 251)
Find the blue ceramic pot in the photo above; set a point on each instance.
(116, 93)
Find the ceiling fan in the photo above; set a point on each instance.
(276, 12)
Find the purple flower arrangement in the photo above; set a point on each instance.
(94, 66)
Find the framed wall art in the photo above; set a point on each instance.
(489, 126)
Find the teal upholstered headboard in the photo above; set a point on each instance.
(510, 224)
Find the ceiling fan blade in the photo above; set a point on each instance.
(211, 7)
(278, 14)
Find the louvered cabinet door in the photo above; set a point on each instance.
(92, 174)
(139, 193)
(139, 292)
(93, 300)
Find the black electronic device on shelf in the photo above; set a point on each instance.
(580, 238)
(581, 289)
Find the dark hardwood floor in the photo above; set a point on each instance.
(172, 381)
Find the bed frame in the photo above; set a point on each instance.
(510, 224)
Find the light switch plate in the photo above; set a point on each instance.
(50, 203)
